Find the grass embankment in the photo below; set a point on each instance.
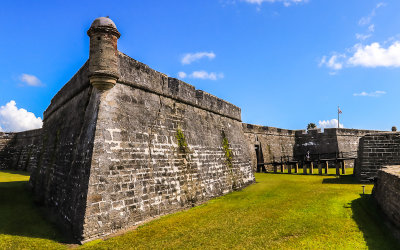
(279, 211)
(21, 223)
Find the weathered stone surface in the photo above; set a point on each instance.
(138, 170)
(386, 192)
(19, 151)
(277, 143)
(108, 160)
(375, 151)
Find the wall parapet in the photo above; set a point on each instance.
(78, 83)
(141, 76)
(251, 128)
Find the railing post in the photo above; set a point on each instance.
(337, 167)
(320, 168)
(311, 168)
(343, 167)
(326, 167)
(304, 167)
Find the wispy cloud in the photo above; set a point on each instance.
(377, 93)
(286, 3)
(181, 74)
(367, 19)
(334, 62)
(362, 37)
(192, 57)
(30, 80)
(360, 55)
(201, 75)
(14, 119)
(333, 123)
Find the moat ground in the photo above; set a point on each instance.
(279, 211)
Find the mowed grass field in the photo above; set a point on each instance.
(280, 211)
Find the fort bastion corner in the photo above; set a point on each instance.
(122, 143)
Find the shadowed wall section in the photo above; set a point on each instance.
(18, 151)
(387, 194)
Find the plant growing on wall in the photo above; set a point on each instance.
(182, 144)
(227, 150)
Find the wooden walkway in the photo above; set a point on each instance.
(309, 161)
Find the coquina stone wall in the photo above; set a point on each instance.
(122, 143)
(276, 143)
(5, 151)
(59, 180)
(386, 192)
(141, 169)
(18, 151)
(377, 150)
(115, 153)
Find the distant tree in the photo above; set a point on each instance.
(394, 128)
(311, 126)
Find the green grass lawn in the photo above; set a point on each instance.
(279, 211)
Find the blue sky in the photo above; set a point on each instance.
(284, 63)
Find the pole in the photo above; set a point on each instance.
(338, 119)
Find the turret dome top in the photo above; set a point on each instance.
(103, 21)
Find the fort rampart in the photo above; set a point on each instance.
(386, 192)
(122, 143)
(377, 150)
(269, 144)
(18, 150)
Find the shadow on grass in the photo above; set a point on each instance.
(341, 179)
(370, 221)
(21, 217)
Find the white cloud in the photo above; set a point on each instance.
(31, 80)
(206, 76)
(377, 93)
(376, 56)
(370, 56)
(13, 119)
(333, 123)
(182, 74)
(191, 57)
(286, 3)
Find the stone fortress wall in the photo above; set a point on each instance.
(375, 151)
(386, 192)
(272, 143)
(276, 143)
(18, 150)
(122, 143)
